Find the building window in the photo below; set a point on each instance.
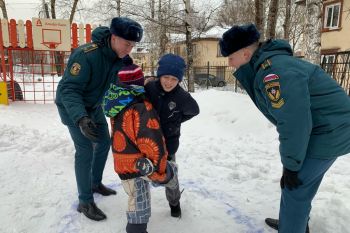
(328, 62)
(218, 53)
(332, 16)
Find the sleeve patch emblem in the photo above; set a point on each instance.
(270, 77)
(75, 69)
(273, 91)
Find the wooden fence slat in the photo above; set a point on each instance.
(5, 32)
(13, 33)
(81, 34)
(74, 36)
(88, 33)
(21, 37)
(29, 30)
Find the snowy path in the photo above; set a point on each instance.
(229, 169)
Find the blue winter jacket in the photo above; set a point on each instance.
(310, 110)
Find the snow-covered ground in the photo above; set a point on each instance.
(229, 169)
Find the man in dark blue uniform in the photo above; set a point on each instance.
(310, 110)
(90, 70)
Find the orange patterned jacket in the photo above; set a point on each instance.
(136, 133)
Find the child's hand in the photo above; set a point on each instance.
(149, 79)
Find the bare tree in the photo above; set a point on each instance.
(313, 30)
(163, 36)
(296, 29)
(118, 8)
(46, 9)
(53, 9)
(3, 9)
(272, 19)
(259, 16)
(189, 46)
(152, 2)
(71, 17)
(236, 12)
(286, 25)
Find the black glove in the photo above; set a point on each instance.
(88, 128)
(290, 179)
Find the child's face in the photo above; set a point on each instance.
(168, 82)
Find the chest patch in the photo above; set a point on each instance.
(270, 77)
(273, 91)
(75, 69)
(171, 105)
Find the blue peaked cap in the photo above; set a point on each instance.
(238, 37)
(126, 28)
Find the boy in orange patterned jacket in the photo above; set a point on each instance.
(138, 147)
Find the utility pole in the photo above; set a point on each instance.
(189, 45)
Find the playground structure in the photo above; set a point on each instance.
(33, 56)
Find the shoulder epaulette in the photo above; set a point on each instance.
(90, 48)
(266, 64)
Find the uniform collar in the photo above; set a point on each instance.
(246, 76)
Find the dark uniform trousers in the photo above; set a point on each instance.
(90, 159)
(173, 194)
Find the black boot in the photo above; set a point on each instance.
(273, 223)
(91, 211)
(103, 190)
(136, 228)
(175, 211)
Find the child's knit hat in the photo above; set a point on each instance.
(171, 64)
(131, 74)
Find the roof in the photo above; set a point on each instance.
(213, 33)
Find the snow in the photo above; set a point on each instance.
(229, 170)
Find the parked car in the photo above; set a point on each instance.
(209, 80)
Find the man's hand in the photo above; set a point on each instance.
(290, 179)
(88, 128)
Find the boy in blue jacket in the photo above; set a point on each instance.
(174, 106)
(310, 110)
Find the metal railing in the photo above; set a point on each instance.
(339, 69)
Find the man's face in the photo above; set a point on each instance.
(121, 46)
(239, 58)
(168, 82)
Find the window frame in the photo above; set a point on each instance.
(326, 7)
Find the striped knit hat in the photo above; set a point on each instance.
(131, 74)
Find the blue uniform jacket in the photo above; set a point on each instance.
(90, 70)
(310, 110)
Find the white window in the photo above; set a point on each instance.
(332, 16)
(327, 62)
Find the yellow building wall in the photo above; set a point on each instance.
(338, 39)
(204, 51)
(207, 51)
